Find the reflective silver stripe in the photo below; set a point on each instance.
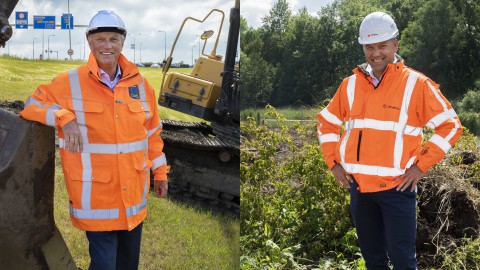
(437, 95)
(94, 214)
(331, 137)
(80, 115)
(453, 131)
(99, 148)
(351, 90)
(440, 118)
(50, 114)
(135, 209)
(159, 161)
(33, 101)
(151, 131)
(143, 98)
(443, 143)
(376, 170)
(386, 125)
(86, 180)
(440, 142)
(343, 144)
(402, 121)
(330, 117)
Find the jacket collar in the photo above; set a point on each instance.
(399, 65)
(128, 68)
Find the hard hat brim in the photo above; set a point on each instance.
(377, 39)
(107, 29)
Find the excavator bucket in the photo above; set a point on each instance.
(29, 238)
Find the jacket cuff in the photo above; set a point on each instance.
(64, 116)
(422, 165)
(160, 173)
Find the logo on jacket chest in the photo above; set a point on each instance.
(133, 91)
(385, 106)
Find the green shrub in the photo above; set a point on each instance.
(292, 209)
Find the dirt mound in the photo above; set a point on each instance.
(15, 106)
(448, 212)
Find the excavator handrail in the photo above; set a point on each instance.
(166, 66)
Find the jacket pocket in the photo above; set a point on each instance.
(137, 107)
(100, 176)
(359, 144)
(88, 106)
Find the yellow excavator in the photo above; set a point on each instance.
(205, 157)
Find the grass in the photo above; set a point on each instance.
(293, 113)
(21, 77)
(175, 235)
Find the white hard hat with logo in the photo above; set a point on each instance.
(377, 27)
(106, 21)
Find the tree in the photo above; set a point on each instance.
(442, 41)
(256, 83)
(272, 31)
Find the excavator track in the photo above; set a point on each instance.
(196, 135)
(202, 164)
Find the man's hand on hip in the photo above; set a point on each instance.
(161, 188)
(73, 137)
(411, 176)
(343, 179)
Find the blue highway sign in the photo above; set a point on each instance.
(67, 20)
(43, 22)
(21, 19)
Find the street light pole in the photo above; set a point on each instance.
(192, 53)
(33, 45)
(198, 45)
(48, 45)
(79, 50)
(135, 47)
(165, 44)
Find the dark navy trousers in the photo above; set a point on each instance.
(386, 227)
(115, 250)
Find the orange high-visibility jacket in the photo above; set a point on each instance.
(108, 183)
(383, 126)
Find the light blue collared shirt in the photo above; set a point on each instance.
(106, 78)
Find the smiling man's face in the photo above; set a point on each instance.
(378, 55)
(106, 47)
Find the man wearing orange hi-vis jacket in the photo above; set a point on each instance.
(379, 156)
(109, 140)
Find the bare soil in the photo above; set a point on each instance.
(15, 106)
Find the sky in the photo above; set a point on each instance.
(143, 19)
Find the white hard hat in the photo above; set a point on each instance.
(377, 27)
(106, 21)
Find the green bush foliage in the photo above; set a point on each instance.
(292, 209)
(295, 216)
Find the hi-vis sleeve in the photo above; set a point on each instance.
(155, 142)
(437, 113)
(44, 105)
(329, 122)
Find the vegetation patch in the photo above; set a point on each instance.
(295, 216)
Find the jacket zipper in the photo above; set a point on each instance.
(358, 146)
